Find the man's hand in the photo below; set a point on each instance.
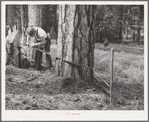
(32, 45)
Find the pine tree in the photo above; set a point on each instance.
(76, 42)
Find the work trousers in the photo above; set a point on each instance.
(38, 57)
(48, 57)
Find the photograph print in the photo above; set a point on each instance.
(74, 57)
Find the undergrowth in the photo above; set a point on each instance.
(128, 86)
(28, 89)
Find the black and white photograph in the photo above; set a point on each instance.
(74, 58)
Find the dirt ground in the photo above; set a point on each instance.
(32, 90)
(28, 89)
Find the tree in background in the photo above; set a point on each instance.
(50, 22)
(13, 22)
(136, 22)
(115, 22)
(108, 22)
(9, 17)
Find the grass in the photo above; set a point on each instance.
(132, 48)
(128, 78)
(45, 91)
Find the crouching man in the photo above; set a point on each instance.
(42, 41)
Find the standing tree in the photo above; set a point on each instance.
(13, 21)
(10, 11)
(24, 24)
(136, 23)
(9, 25)
(49, 18)
(120, 26)
(35, 19)
(76, 42)
(24, 21)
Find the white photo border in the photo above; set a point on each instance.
(59, 115)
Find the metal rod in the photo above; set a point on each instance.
(69, 62)
(41, 50)
(111, 83)
(100, 77)
(104, 59)
(48, 53)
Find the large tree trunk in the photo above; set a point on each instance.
(34, 18)
(76, 42)
(10, 13)
(24, 23)
(35, 15)
(13, 38)
(9, 24)
(12, 48)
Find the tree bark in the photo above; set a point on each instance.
(76, 42)
(35, 15)
(35, 19)
(121, 18)
(22, 23)
(13, 37)
(12, 48)
(10, 13)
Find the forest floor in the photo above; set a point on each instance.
(28, 89)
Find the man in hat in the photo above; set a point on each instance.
(42, 40)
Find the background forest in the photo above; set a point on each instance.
(115, 22)
(77, 80)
